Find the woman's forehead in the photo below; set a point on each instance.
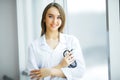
(53, 11)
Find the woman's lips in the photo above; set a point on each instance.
(53, 25)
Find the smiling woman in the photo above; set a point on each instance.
(45, 54)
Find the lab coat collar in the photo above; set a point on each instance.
(43, 40)
(62, 39)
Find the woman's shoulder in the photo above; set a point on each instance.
(36, 42)
(69, 36)
(70, 39)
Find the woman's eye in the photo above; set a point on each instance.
(50, 16)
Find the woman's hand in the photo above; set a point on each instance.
(66, 61)
(41, 73)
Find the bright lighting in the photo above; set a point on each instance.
(97, 73)
(86, 5)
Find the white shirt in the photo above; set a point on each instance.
(40, 55)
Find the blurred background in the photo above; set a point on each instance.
(94, 22)
(87, 21)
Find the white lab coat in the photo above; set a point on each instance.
(40, 55)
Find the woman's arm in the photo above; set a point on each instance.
(66, 61)
(54, 71)
(77, 72)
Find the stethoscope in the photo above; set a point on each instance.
(74, 64)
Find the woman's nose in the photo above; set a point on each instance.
(55, 20)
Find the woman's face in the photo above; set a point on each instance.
(53, 19)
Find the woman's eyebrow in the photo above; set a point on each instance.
(50, 14)
(53, 15)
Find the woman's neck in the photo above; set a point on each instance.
(52, 35)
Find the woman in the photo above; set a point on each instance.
(49, 56)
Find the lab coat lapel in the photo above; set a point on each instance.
(62, 43)
(43, 44)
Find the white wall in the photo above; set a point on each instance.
(8, 40)
(114, 38)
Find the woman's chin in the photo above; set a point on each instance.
(54, 28)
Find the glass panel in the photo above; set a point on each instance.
(87, 21)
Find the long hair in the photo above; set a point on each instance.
(62, 14)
